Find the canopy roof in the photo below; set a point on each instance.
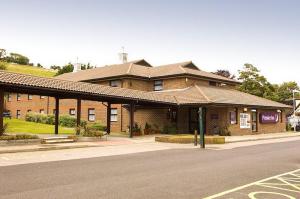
(195, 95)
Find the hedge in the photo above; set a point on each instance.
(64, 120)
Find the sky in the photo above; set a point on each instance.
(214, 34)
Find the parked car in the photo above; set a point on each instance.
(294, 121)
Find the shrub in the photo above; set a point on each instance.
(3, 65)
(18, 137)
(169, 129)
(67, 121)
(5, 126)
(147, 126)
(64, 120)
(99, 127)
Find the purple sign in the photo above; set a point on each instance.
(268, 117)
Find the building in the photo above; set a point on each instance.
(225, 109)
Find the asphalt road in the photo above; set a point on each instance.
(176, 173)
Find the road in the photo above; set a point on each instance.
(174, 173)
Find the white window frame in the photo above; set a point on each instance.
(113, 114)
(91, 116)
(42, 111)
(115, 83)
(18, 115)
(29, 97)
(18, 97)
(158, 85)
(72, 111)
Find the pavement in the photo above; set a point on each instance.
(256, 169)
(115, 141)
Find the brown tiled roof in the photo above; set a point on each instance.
(195, 95)
(27, 81)
(135, 69)
(219, 96)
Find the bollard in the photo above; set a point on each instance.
(195, 137)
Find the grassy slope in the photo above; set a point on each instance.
(21, 126)
(30, 70)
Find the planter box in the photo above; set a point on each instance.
(88, 139)
(189, 139)
(19, 142)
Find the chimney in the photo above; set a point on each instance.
(123, 56)
(77, 67)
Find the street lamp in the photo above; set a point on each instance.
(294, 106)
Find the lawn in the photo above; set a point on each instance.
(31, 70)
(21, 126)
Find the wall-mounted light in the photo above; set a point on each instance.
(245, 109)
(278, 111)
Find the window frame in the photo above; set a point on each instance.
(8, 97)
(42, 96)
(42, 111)
(115, 83)
(71, 110)
(29, 97)
(114, 115)
(91, 114)
(18, 96)
(18, 114)
(160, 85)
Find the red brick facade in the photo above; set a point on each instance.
(217, 118)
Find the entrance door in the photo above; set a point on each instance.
(194, 118)
(254, 121)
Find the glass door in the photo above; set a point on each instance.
(254, 121)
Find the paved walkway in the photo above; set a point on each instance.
(119, 141)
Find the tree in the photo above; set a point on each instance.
(17, 58)
(54, 67)
(86, 66)
(3, 65)
(254, 83)
(39, 65)
(2, 53)
(284, 91)
(224, 73)
(65, 69)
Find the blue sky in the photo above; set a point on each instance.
(213, 34)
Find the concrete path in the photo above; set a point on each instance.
(117, 147)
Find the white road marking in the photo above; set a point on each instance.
(260, 183)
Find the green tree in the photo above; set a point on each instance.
(65, 69)
(3, 65)
(17, 58)
(284, 91)
(224, 73)
(54, 67)
(39, 65)
(255, 83)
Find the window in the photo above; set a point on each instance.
(29, 97)
(113, 115)
(29, 110)
(42, 97)
(72, 111)
(91, 114)
(158, 85)
(115, 83)
(42, 111)
(18, 96)
(233, 116)
(18, 114)
(8, 97)
(212, 83)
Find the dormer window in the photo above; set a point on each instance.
(115, 83)
(158, 85)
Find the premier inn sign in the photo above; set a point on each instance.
(268, 117)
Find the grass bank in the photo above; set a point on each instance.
(31, 70)
(16, 126)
